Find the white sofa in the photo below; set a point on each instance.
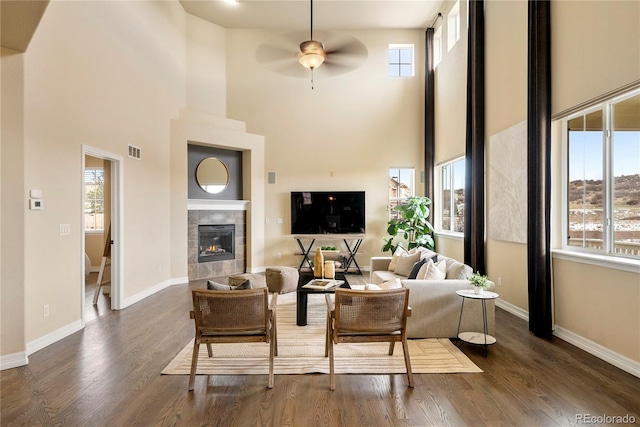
(434, 303)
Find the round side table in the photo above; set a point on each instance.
(477, 338)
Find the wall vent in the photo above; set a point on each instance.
(134, 152)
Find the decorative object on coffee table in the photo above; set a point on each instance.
(318, 264)
(329, 270)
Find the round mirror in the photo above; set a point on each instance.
(212, 175)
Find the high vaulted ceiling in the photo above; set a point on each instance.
(21, 18)
(327, 14)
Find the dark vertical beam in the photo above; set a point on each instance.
(429, 118)
(474, 206)
(539, 167)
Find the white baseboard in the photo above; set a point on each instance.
(13, 360)
(52, 337)
(179, 280)
(609, 356)
(146, 293)
(618, 360)
(513, 309)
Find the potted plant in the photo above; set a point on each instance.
(480, 282)
(412, 225)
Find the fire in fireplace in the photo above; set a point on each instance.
(216, 242)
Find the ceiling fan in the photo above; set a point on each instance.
(284, 56)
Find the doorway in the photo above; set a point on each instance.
(101, 243)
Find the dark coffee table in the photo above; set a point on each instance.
(303, 293)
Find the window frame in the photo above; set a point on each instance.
(437, 47)
(453, 20)
(439, 182)
(399, 200)
(607, 252)
(402, 46)
(85, 199)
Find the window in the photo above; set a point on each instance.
(94, 199)
(603, 178)
(437, 47)
(451, 196)
(453, 26)
(400, 60)
(401, 186)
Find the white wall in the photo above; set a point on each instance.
(206, 67)
(104, 74)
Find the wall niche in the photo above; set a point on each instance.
(233, 161)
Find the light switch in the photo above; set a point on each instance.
(279, 220)
(65, 229)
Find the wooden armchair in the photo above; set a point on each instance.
(232, 317)
(368, 316)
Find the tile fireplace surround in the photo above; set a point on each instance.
(207, 270)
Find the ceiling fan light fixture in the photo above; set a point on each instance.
(312, 54)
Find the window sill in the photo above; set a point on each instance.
(93, 231)
(616, 263)
(449, 235)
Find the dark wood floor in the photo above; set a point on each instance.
(109, 375)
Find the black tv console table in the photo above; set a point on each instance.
(351, 241)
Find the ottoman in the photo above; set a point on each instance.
(282, 279)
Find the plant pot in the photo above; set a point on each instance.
(478, 290)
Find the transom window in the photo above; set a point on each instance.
(401, 187)
(602, 187)
(401, 60)
(437, 47)
(453, 25)
(450, 194)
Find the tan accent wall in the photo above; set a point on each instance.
(599, 304)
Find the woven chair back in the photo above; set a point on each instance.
(230, 312)
(370, 311)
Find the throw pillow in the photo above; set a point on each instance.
(215, 286)
(405, 264)
(458, 270)
(394, 259)
(435, 271)
(424, 253)
(391, 284)
(423, 270)
(416, 268)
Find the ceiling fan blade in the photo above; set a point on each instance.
(345, 45)
(280, 54)
(345, 54)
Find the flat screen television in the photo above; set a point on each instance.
(327, 212)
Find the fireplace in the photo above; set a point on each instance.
(216, 242)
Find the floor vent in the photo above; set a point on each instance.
(134, 152)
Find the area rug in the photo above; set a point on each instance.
(301, 351)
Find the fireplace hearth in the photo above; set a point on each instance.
(216, 242)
